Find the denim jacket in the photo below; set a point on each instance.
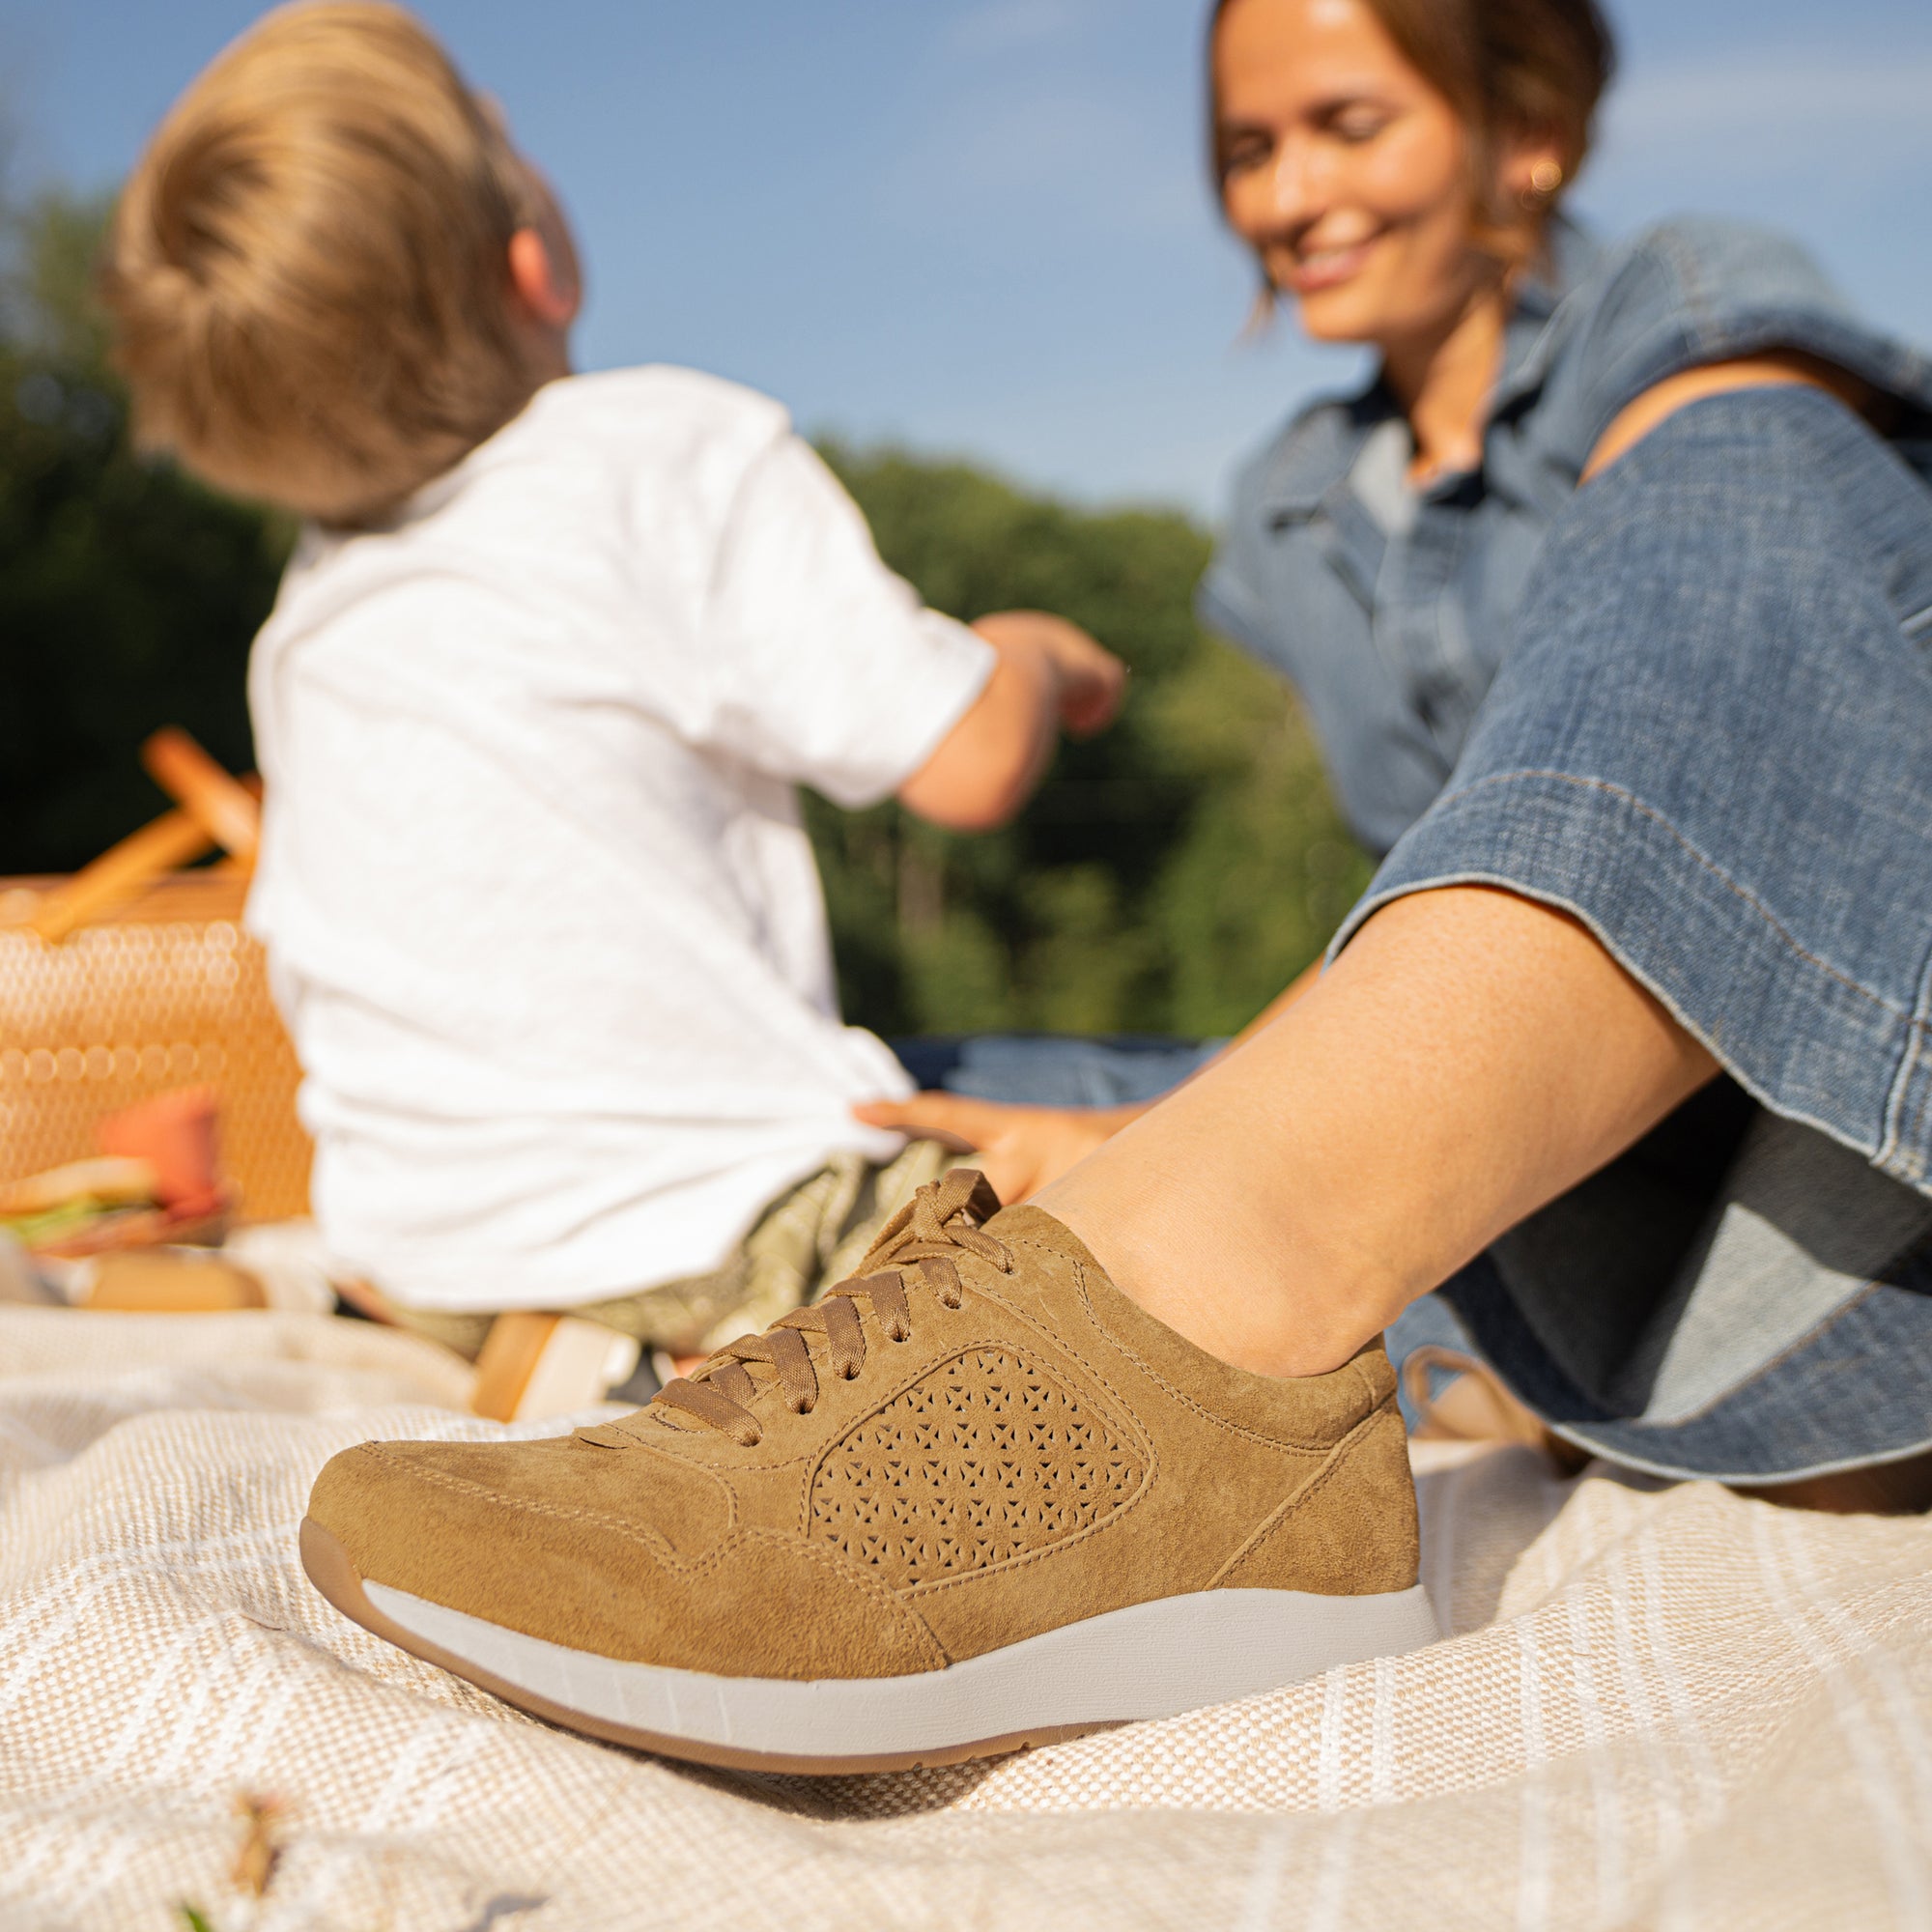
(1393, 629)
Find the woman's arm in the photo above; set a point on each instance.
(1020, 1148)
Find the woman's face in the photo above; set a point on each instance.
(1346, 171)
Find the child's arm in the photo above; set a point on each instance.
(1050, 673)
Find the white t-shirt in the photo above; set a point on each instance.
(539, 909)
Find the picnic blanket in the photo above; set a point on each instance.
(1657, 1706)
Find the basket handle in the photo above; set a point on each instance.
(221, 805)
(214, 810)
(119, 872)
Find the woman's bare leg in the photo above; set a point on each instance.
(1470, 1055)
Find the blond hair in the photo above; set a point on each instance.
(308, 267)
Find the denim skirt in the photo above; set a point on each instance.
(1711, 742)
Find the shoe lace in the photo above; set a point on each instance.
(917, 1246)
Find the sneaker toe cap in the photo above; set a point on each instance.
(524, 1546)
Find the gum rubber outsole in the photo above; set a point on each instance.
(1146, 1661)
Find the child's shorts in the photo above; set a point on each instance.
(813, 1235)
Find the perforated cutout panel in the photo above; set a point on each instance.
(984, 1460)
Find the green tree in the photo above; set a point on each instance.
(1170, 877)
(128, 594)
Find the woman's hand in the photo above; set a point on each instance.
(1020, 1148)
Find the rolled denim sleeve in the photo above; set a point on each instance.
(1709, 741)
(1689, 292)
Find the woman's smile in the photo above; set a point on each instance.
(1308, 268)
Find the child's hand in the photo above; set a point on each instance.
(1090, 680)
(1019, 1149)
(1048, 677)
(1093, 680)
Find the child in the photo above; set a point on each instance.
(549, 661)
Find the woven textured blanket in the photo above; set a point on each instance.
(1657, 1706)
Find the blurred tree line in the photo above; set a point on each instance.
(1170, 877)
(128, 594)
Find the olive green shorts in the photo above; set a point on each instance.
(813, 1235)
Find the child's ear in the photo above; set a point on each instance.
(543, 285)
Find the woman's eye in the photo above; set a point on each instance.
(1359, 126)
(1241, 158)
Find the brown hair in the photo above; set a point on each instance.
(308, 266)
(1506, 66)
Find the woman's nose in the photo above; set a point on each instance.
(1297, 183)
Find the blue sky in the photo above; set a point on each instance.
(979, 226)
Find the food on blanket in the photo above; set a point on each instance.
(111, 1180)
(972, 1499)
(156, 1182)
(171, 1281)
(81, 1205)
(89, 1222)
(176, 1133)
(76, 1235)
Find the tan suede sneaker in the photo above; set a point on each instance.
(972, 1499)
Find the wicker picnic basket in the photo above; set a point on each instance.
(135, 976)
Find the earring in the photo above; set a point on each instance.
(1544, 179)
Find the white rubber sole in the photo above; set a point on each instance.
(1153, 1660)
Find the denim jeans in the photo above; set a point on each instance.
(1711, 743)
(1036, 1069)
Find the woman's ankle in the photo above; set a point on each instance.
(1254, 1303)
